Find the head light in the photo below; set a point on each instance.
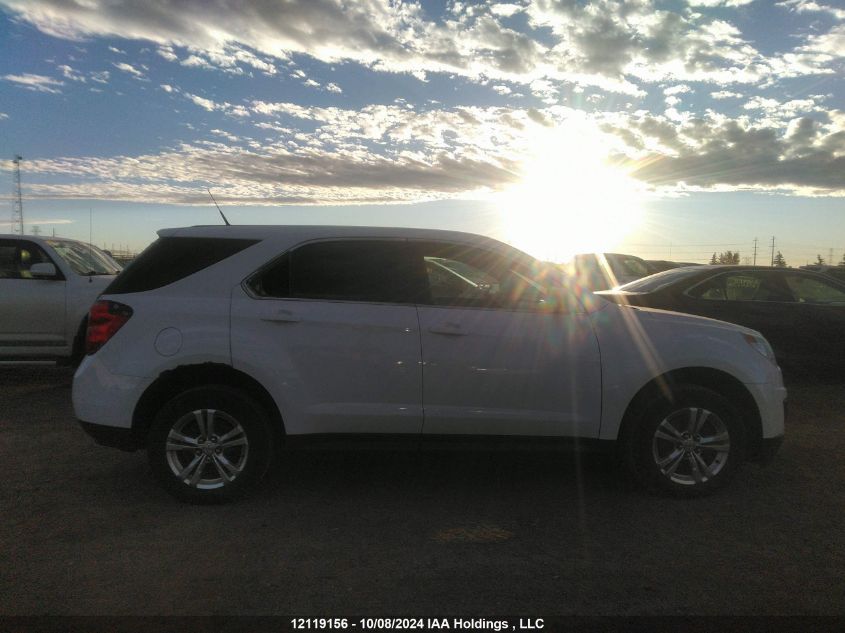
(761, 345)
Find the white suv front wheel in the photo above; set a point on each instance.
(689, 445)
(210, 444)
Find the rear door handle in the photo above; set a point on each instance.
(448, 329)
(281, 315)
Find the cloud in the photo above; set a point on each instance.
(3, 115)
(804, 156)
(719, 3)
(827, 45)
(70, 73)
(167, 53)
(129, 68)
(227, 135)
(393, 153)
(211, 105)
(39, 221)
(506, 9)
(38, 83)
(809, 6)
(101, 77)
(775, 111)
(202, 102)
(269, 177)
(644, 41)
(382, 153)
(605, 43)
(725, 94)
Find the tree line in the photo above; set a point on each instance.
(730, 257)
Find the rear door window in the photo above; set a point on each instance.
(379, 271)
(170, 259)
(742, 286)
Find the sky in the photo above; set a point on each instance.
(667, 129)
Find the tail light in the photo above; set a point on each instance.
(104, 320)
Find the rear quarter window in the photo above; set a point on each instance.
(170, 259)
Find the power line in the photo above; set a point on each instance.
(673, 244)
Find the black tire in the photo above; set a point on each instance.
(228, 462)
(684, 465)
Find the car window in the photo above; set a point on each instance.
(627, 266)
(84, 259)
(345, 270)
(18, 256)
(273, 281)
(170, 259)
(660, 280)
(810, 290)
(741, 286)
(460, 275)
(8, 267)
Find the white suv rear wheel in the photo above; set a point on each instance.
(210, 444)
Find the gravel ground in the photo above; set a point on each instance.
(86, 531)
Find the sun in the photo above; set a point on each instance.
(570, 200)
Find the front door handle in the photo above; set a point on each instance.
(281, 315)
(449, 329)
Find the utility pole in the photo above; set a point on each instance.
(755, 251)
(17, 209)
(773, 252)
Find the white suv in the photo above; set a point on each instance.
(47, 286)
(220, 345)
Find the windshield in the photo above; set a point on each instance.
(659, 281)
(84, 259)
(627, 266)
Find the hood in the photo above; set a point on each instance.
(658, 317)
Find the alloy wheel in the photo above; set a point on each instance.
(691, 446)
(207, 449)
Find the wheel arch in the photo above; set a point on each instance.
(175, 381)
(719, 381)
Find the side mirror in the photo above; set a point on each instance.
(42, 270)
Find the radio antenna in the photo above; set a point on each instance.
(218, 208)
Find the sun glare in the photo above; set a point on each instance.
(570, 200)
